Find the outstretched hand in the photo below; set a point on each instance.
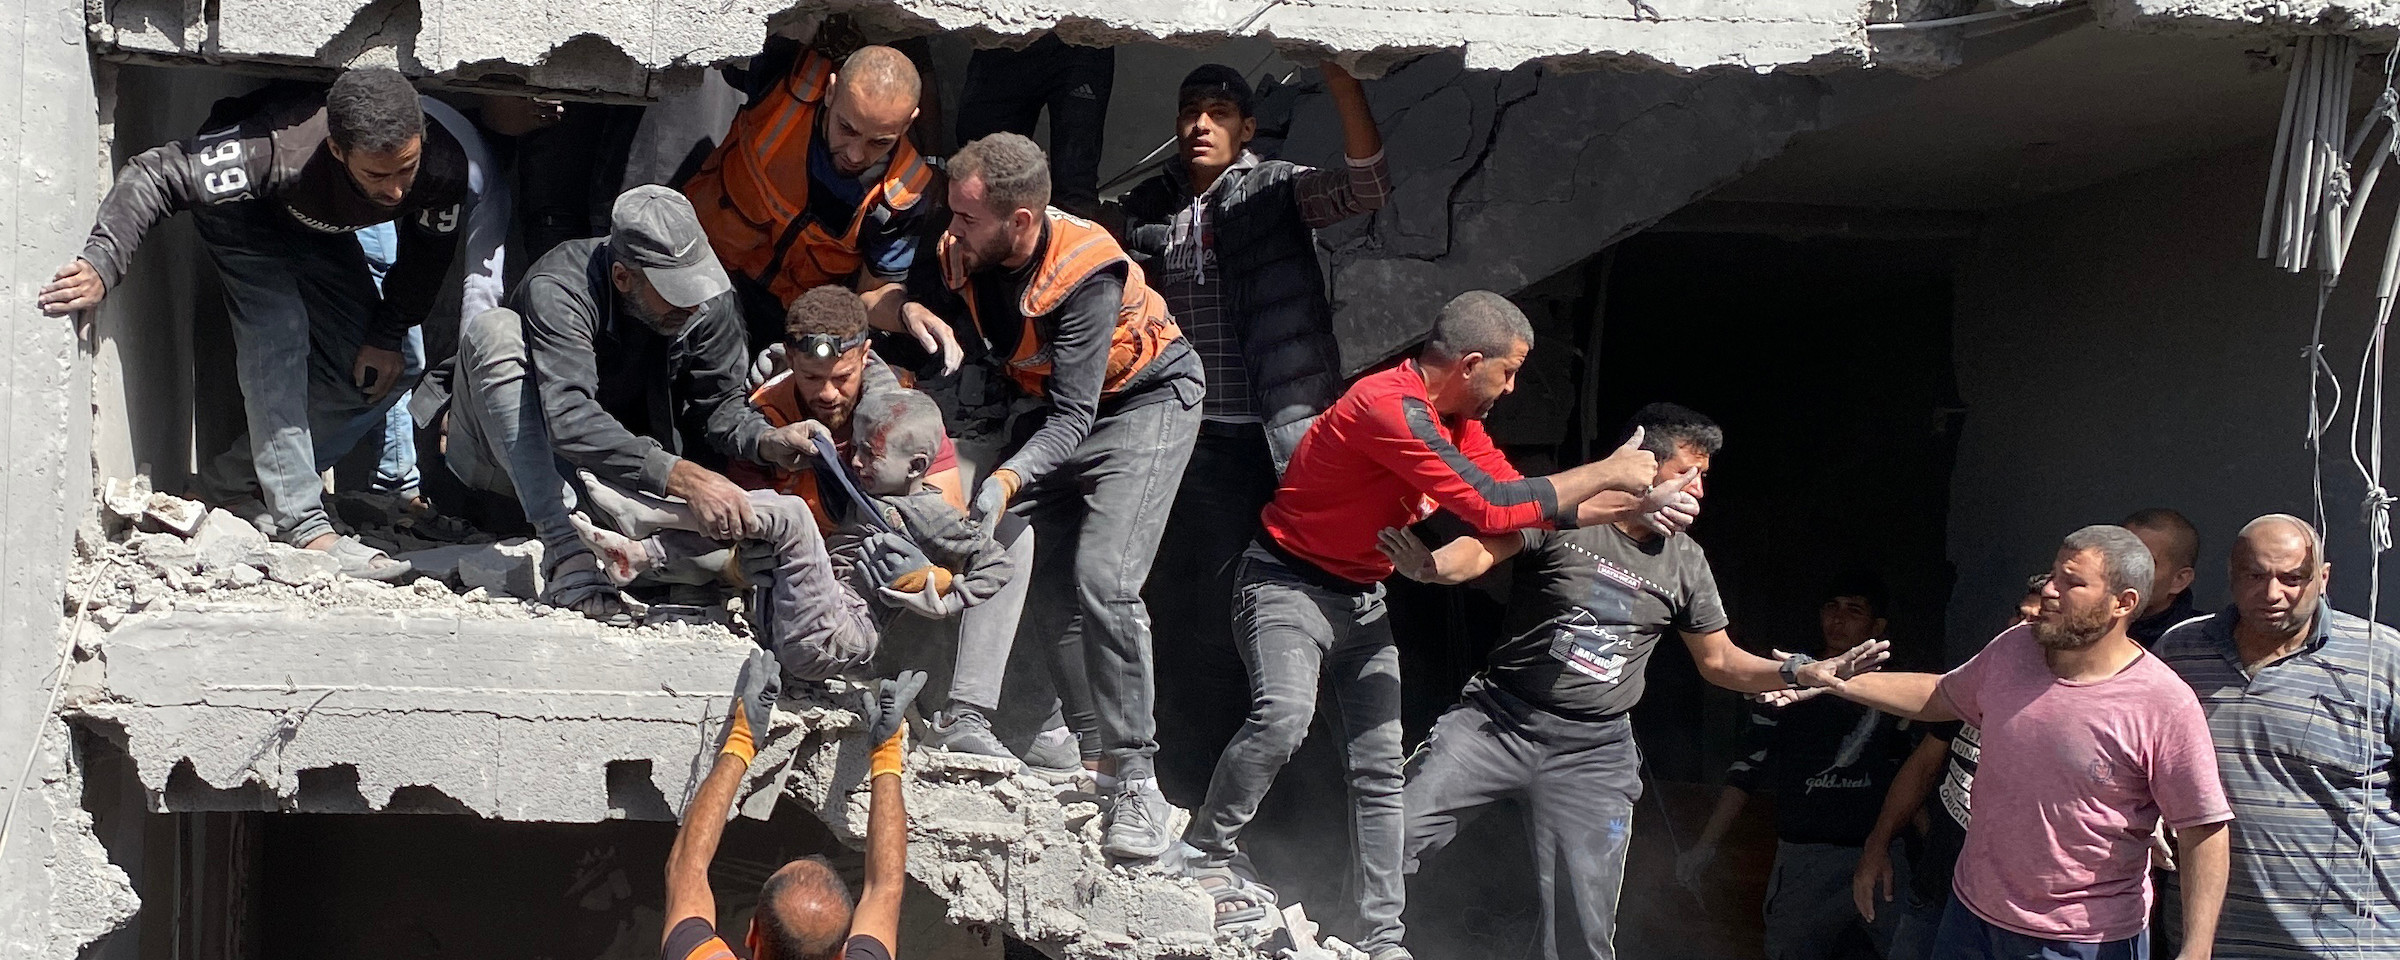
(1780, 699)
(1864, 658)
(1409, 555)
(887, 702)
(755, 691)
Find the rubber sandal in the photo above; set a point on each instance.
(1227, 887)
(575, 582)
(363, 562)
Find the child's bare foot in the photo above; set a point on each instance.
(621, 558)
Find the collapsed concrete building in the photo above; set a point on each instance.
(1967, 274)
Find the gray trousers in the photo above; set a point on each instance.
(300, 303)
(1809, 904)
(1577, 783)
(975, 646)
(1096, 522)
(816, 627)
(1293, 636)
(498, 439)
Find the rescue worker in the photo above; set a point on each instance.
(816, 183)
(1053, 303)
(277, 183)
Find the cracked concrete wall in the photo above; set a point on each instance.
(616, 45)
(57, 888)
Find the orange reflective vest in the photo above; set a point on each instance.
(752, 193)
(1077, 249)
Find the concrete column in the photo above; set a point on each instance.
(57, 889)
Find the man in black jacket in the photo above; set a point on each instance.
(624, 356)
(1231, 240)
(278, 184)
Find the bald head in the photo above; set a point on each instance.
(2278, 576)
(803, 913)
(873, 102)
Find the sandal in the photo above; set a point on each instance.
(367, 563)
(575, 582)
(1239, 900)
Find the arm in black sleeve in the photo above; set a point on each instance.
(718, 383)
(221, 167)
(1079, 340)
(559, 325)
(428, 243)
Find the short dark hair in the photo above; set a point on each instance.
(831, 309)
(1666, 427)
(2035, 583)
(1015, 174)
(786, 937)
(373, 110)
(1865, 585)
(1477, 321)
(2183, 539)
(1215, 81)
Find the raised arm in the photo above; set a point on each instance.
(878, 911)
(1330, 196)
(754, 697)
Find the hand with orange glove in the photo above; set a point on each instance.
(754, 694)
(886, 713)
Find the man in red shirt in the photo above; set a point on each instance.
(1397, 446)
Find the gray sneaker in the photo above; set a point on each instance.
(960, 728)
(1053, 757)
(1137, 821)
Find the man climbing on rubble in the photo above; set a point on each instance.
(805, 911)
(622, 357)
(1398, 445)
(832, 372)
(2299, 699)
(1548, 723)
(1826, 763)
(817, 183)
(1231, 239)
(1053, 304)
(277, 182)
(2089, 742)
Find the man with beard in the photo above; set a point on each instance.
(1399, 444)
(816, 183)
(621, 356)
(1052, 304)
(2088, 742)
(2299, 698)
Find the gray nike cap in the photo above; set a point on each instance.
(654, 228)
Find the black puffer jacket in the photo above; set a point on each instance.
(1274, 292)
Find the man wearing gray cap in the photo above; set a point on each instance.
(622, 356)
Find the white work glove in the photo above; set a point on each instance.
(930, 603)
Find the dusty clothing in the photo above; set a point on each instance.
(778, 212)
(2305, 747)
(779, 400)
(274, 152)
(1590, 606)
(1577, 780)
(1238, 267)
(1382, 457)
(979, 564)
(697, 939)
(618, 398)
(2073, 779)
(814, 621)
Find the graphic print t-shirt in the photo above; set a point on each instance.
(1590, 605)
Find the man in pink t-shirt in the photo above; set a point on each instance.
(2088, 742)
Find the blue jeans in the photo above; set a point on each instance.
(396, 469)
(1965, 936)
(300, 303)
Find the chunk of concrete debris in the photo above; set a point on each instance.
(166, 554)
(220, 532)
(239, 576)
(512, 567)
(295, 567)
(173, 514)
(126, 497)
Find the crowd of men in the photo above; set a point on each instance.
(721, 390)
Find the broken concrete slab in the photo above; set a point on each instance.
(295, 567)
(173, 514)
(512, 568)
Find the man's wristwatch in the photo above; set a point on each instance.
(1791, 669)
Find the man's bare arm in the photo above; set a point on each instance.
(1458, 561)
(688, 895)
(2206, 855)
(1900, 804)
(878, 912)
(1916, 696)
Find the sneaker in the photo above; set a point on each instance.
(960, 728)
(1137, 822)
(1053, 756)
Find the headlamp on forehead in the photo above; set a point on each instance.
(826, 346)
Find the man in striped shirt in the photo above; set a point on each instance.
(2299, 701)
